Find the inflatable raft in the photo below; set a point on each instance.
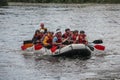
(68, 51)
(73, 50)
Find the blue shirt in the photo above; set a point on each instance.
(55, 39)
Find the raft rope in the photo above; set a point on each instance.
(71, 46)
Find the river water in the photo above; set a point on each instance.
(100, 21)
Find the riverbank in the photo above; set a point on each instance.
(56, 4)
(49, 4)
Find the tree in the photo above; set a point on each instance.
(3, 3)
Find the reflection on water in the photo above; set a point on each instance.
(18, 23)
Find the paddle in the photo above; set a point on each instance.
(27, 42)
(54, 48)
(99, 47)
(23, 47)
(97, 41)
(37, 46)
(96, 46)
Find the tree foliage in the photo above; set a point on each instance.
(66, 1)
(3, 2)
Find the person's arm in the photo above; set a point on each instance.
(64, 40)
(55, 41)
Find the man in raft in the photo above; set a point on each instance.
(67, 36)
(75, 36)
(42, 28)
(82, 38)
(47, 41)
(57, 39)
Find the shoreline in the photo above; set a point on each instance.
(54, 4)
(48, 4)
(22, 3)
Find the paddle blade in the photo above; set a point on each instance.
(23, 47)
(37, 46)
(27, 42)
(100, 47)
(97, 41)
(53, 49)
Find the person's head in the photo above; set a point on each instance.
(50, 34)
(82, 32)
(37, 32)
(58, 32)
(75, 32)
(42, 25)
(67, 30)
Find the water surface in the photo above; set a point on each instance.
(18, 23)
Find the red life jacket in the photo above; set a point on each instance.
(59, 39)
(74, 37)
(82, 39)
(38, 36)
(50, 40)
(66, 35)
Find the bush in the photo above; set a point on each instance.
(67, 1)
(3, 3)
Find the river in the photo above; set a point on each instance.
(100, 21)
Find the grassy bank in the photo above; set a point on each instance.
(5, 2)
(67, 1)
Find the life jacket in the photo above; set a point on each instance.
(65, 35)
(44, 30)
(49, 40)
(74, 37)
(44, 35)
(59, 39)
(82, 39)
(38, 37)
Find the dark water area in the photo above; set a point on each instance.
(18, 23)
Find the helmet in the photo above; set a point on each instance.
(42, 24)
(37, 31)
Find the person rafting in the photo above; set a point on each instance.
(57, 39)
(75, 36)
(47, 41)
(42, 28)
(67, 36)
(82, 38)
(37, 37)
